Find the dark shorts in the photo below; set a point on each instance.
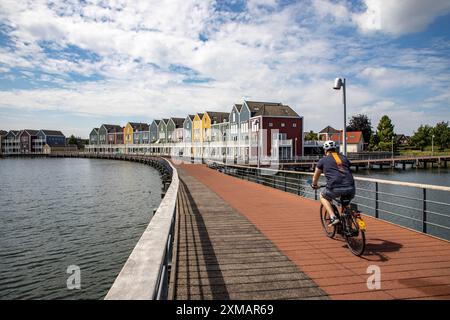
(336, 193)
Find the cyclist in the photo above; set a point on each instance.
(340, 182)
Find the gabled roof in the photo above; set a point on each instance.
(112, 128)
(190, 117)
(52, 132)
(178, 122)
(138, 126)
(165, 121)
(31, 132)
(238, 106)
(200, 115)
(353, 137)
(3, 133)
(156, 121)
(274, 109)
(328, 129)
(218, 117)
(14, 133)
(95, 129)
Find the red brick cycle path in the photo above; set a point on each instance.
(413, 265)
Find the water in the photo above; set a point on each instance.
(435, 176)
(60, 212)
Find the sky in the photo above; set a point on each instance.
(73, 65)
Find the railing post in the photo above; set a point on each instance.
(424, 210)
(377, 215)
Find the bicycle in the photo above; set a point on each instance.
(351, 226)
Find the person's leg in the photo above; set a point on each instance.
(327, 204)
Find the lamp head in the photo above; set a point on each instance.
(338, 83)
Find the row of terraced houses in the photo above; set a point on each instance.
(249, 130)
(30, 141)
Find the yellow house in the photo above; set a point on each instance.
(128, 134)
(197, 128)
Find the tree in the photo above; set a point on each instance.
(374, 141)
(422, 137)
(441, 135)
(361, 122)
(385, 132)
(72, 140)
(311, 136)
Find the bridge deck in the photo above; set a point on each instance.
(222, 255)
(238, 239)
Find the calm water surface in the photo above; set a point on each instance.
(60, 212)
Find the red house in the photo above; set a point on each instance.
(276, 130)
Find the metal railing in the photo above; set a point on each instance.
(420, 207)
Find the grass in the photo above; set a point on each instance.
(425, 152)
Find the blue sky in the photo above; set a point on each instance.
(72, 65)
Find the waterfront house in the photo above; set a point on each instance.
(136, 133)
(175, 130)
(276, 130)
(355, 140)
(53, 138)
(110, 134)
(27, 139)
(162, 131)
(402, 140)
(197, 138)
(233, 138)
(197, 128)
(93, 137)
(187, 125)
(11, 143)
(142, 134)
(154, 131)
(326, 133)
(2, 140)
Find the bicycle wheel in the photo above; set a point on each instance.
(356, 238)
(325, 220)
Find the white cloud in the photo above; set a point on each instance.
(401, 16)
(267, 52)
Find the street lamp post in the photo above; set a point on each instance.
(392, 150)
(338, 84)
(432, 145)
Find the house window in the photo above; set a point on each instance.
(282, 124)
(270, 124)
(294, 125)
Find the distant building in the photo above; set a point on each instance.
(326, 133)
(162, 131)
(154, 131)
(52, 138)
(355, 140)
(27, 139)
(94, 137)
(2, 139)
(110, 134)
(175, 130)
(401, 139)
(282, 126)
(11, 143)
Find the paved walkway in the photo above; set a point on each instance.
(221, 255)
(413, 265)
